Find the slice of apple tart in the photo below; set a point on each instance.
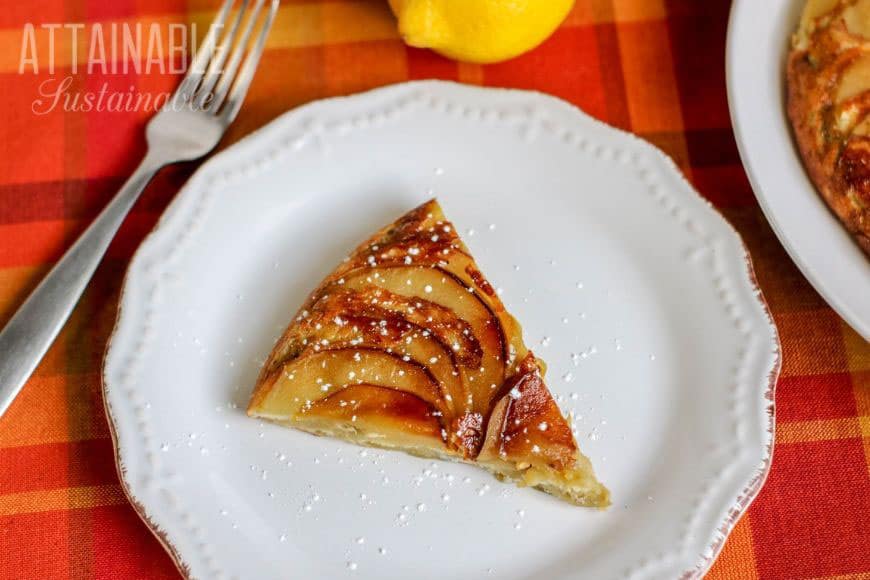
(407, 346)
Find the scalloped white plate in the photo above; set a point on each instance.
(758, 42)
(638, 295)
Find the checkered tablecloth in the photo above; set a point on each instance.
(653, 67)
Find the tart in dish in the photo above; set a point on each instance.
(407, 346)
(828, 104)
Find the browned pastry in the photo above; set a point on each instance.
(828, 104)
(407, 346)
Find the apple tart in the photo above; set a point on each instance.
(407, 346)
(828, 78)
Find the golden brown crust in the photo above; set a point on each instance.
(407, 330)
(828, 105)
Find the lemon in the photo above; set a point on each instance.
(480, 31)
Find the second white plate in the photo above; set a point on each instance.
(758, 43)
(637, 294)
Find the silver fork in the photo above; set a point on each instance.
(197, 115)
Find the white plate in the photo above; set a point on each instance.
(758, 43)
(674, 353)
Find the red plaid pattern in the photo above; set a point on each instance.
(654, 67)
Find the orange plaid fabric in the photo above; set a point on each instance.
(654, 67)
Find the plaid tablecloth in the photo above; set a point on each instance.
(654, 67)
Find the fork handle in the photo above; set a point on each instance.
(31, 330)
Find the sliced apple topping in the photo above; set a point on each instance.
(297, 385)
(526, 425)
(379, 413)
(441, 288)
(436, 244)
(424, 333)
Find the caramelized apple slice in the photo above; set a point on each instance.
(376, 414)
(442, 288)
(394, 336)
(301, 382)
(381, 317)
(462, 266)
(425, 238)
(529, 440)
(439, 322)
(855, 79)
(525, 424)
(429, 334)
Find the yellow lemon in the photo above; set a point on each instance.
(479, 30)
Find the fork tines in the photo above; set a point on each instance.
(223, 67)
